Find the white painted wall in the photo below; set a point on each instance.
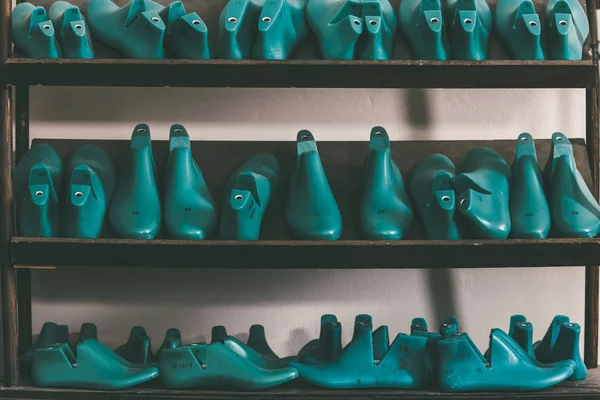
(289, 302)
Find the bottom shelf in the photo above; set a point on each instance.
(590, 388)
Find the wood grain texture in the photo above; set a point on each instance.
(592, 273)
(296, 390)
(8, 278)
(24, 275)
(343, 164)
(302, 73)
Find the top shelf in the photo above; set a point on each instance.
(305, 69)
(303, 73)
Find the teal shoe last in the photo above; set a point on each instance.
(95, 367)
(135, 212)
(71, 30)
(561, 342)
(381, 25)
(247, 196)
(402, 366)
(385, 211)
(567, 29)
(470, 27)
(256, 358)
(434, 198)
(138, 348)
(37, 187)
(91, 185)
(186, 35)
(238, 25)
(281, 28)
(422, 25)
(33, 33)
(574, 210)
(509, 367)
(529, 211)
(311, 211)
(135, 30)
(337, 25)
(172, 340)
(50, 334)
(190, 211)
(518, 25)
(483, 193)
(327, 347)
(214, 366)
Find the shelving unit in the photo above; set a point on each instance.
(18, 255)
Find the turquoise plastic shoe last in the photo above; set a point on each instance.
(529, 211)
(449, 327)
(381, 342)
(509, 366)
(567, 29)
(518, 25)
(574, 210)
(523, 335)
(135, 29)
(337, 25)
(327, 347)
(95, 367)
(381, 25)
(247, 196)
(311, 211)
(257, 340)
(561, 342)
(431, 363)
(91, 185)
(356, 367)
(33, 33)
(385, 210)
(483, 193)
(135, 212)
(190, 211)
(470, 26)
(422, 25)
(361, 322)
(138, 348)
(254, 356)
(418, 325)
(71, 30)
(214, 366)
(50, 334)
(172, 340)
(432, 190)
(88, 331)
(37, 187)
(238, 26)
(521, 332)
(218, 334)
(281, 28)
(186, 35)
(551, 350)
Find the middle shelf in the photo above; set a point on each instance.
(343, 163)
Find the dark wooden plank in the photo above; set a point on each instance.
(33, 252)
(588, 389)
(343, 163)
(23, 275)
(8, 278)
(592, 273)
(303, 73)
